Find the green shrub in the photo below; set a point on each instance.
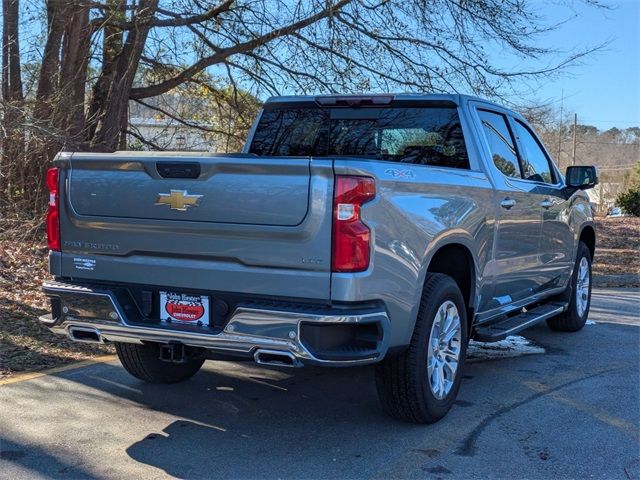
(630, 201)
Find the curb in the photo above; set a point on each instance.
(628, 280)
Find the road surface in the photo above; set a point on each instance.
(563, 405)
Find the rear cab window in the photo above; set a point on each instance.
(417, 135)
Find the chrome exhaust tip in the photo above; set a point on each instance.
(276, 358)
(84, 335)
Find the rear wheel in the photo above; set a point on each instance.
(579, 294)
(143, 362)
(421, 384)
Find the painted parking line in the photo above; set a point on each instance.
(553, 392)
(23, 377)
(626, 427)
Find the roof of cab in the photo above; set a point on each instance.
(458, 99)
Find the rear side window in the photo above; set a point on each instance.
(503, 151)
(423, 136)
(534, 161)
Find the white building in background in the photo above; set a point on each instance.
(203, 126)
(168, 134)
(603, 196)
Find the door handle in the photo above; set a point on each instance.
(508, 203)
(546, 203)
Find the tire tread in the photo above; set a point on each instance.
(399, 393)
(569, 320)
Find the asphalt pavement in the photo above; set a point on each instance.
(551, 405)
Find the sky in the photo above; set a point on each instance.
(605, 89)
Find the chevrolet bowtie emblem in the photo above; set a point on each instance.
(178, 200)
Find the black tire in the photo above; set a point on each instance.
(402, 380)
(571, 320)
(143, 362)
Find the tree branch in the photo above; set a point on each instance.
(222, 54)
(176, 21)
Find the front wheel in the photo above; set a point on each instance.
(575, 317)
(420, 384)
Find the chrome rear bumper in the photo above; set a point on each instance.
(80, 308)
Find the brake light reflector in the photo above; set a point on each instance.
(53, 217)
(351, 237)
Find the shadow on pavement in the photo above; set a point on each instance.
(38, 460)
(241, 411)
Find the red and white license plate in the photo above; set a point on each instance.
(184, 308)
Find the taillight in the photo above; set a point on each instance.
(53, 216)
(351, 237)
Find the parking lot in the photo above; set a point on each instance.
(561, 405)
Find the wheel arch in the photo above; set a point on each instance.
(456, 260)
(588, 237)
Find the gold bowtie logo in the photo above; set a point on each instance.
(178, 200)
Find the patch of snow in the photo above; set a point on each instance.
(512, 346)
(591, 322)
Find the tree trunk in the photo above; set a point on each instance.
(12, 132)
(111, 99)
(57, 12)
(69, 114)
(111, 48)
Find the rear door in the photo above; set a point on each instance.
(516, 264)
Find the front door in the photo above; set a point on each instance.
(556, 256)
(516, 265)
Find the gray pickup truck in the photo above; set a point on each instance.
(352, 230)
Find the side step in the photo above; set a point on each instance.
(502, 329)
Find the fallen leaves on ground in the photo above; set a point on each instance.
(25, 345)
(618, 247)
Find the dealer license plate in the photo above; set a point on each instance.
(184, 308)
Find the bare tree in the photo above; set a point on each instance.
(11, 134)
(101, 54)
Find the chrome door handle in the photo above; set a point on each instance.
(546, 203)
(508, 203)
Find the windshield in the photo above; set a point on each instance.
(427, 136)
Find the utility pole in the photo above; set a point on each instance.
(575, 125)
(560, 127)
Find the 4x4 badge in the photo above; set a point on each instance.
(178, 200)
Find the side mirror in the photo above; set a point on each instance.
(581, 177)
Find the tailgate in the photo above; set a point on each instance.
(217, 222)
(244, 190)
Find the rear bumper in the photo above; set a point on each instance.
(329, 336)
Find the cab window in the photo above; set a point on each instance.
(423, 135)
(535, 162)
(501, 145)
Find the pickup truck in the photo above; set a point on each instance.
(352, 230)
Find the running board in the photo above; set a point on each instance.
(502, 329)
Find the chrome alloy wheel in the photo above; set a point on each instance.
(582, 286)
(444, 349)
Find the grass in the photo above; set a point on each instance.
(27, 346)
